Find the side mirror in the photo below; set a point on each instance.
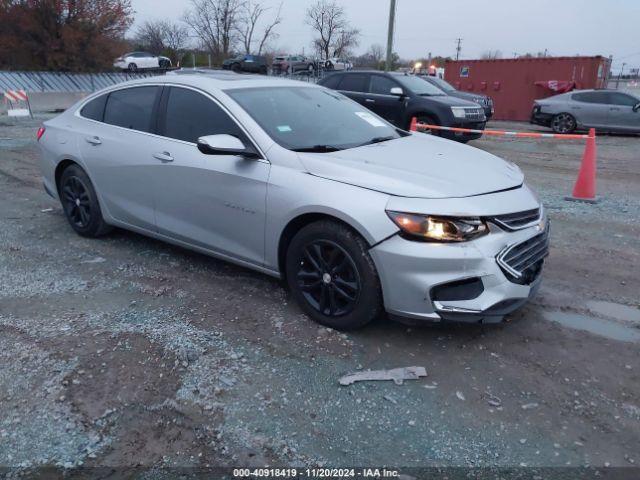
(397, 91)
(224, 145)
(636, 107)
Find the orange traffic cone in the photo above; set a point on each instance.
(585, 187)
(414, 125)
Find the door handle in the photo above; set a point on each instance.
(93, 140)
(370, 100)
(163, 157)
(614, 109)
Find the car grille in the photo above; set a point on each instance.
(522, 262)
(519, 220)
(474, 113)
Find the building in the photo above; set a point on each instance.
(515, 83)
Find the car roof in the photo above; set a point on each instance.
(214, 80)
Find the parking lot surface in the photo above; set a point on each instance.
(127, 351)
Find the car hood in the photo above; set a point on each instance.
(467, 95)
(418, 166)
(449, 101)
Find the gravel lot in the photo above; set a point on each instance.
(125, 351)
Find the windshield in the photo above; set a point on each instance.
(418, 85)
(312, 119)
(441, 84)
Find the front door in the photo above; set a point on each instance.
(213, 201)
(382, 102)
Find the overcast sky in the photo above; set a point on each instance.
(564, 27)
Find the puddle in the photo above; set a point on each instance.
(615, 310)
(597, 326)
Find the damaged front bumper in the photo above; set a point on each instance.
(459, 281)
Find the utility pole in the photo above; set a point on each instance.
(392, 20)
(458, 48)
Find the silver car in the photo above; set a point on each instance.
(604, 110)
(301, 183)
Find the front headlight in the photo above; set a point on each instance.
(458, 112)
(438, 229)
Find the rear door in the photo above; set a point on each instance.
(380, 100)
(591, 109)
(213, 201)
(355, 86)
(621, 114)
(115, 144)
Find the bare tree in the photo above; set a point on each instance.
(269, 32)
(176, 36)
(491, 55)
(376, 53)
(248, 23)
(215, 23)
(345, 41)
(329, 21)
(150, 35)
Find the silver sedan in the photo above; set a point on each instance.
(604, 110)
(301, 183)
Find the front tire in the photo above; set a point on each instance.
(427, 120)
(332, 277)
(80, 203)
(563, 123)
(236, 67)
(132, 67)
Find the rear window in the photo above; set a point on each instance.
(331, 81)
(591, 97)
(94, 110)
(131, 108)
(353, 83)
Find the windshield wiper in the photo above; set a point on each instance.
(317, 149)
(378, 140)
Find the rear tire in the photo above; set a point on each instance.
(332, 277)
(236, 67)
(80, 203)
(133, 67)
(563, 123)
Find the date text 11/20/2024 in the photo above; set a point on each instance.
(315, 473)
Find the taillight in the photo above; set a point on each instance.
(40, 133)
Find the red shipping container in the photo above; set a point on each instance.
(515, 83)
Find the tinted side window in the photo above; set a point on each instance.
(94, 110)
(591, 97)
(191, 115)
(382, 85)
(354, 83)
(622, 99)
(331, 81)
(131, 108)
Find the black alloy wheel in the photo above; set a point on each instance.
(563, 123)
(332, 276)
(76, 201)
(80, 203)
(328, 278)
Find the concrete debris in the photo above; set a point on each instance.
(529, 406)
(398, 375)
(460, 395)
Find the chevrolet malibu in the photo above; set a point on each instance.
(300, 182)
